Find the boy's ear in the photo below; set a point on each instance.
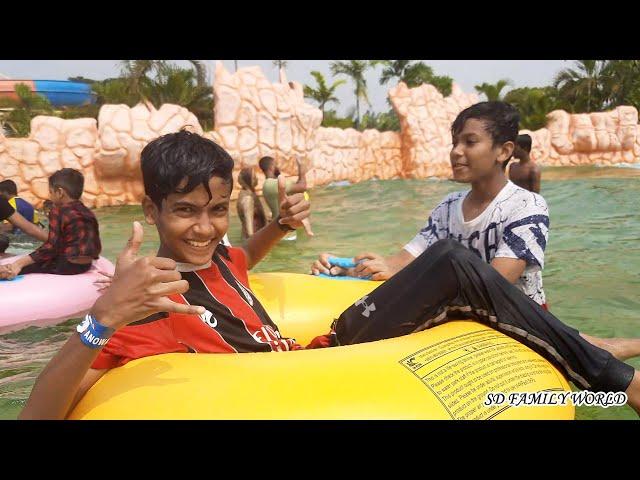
(506, 151)
(150, 210)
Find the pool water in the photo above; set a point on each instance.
(591, 276)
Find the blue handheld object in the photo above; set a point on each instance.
(343, 262)
(340, 277)
(17, 279)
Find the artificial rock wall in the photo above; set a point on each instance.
(254, 117)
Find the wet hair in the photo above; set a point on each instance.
(9, 187)
(70, 180)
(4, 242)
(501, 121)
(170, 159)
(265, 163)
(524, 142)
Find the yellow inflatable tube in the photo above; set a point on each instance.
(442, 373)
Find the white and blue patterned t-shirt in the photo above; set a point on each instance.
(514, 225)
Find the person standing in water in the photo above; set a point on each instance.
(270, 188)
(250, 209)
(526, 172)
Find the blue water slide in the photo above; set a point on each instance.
(63, 93)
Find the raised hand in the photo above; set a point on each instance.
(322, 265)
(140, 287)
(373, 265)
(294, 209)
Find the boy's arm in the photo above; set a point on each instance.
(381, 268)
(63, 382)
(260, 243)
(510, 268)
(140, 288)
(27, 227)
(47, 251)
(535, 183)
(293, 209)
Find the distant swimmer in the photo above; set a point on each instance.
(270, 187)
(526, 172)
(250, 210)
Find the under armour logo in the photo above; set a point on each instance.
(208, 318)
(367, 308)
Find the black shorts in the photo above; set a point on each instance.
(59, 266)
(449, 281)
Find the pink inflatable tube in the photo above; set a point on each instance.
(42, 299)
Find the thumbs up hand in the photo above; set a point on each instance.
(140, 287)
(294, 209)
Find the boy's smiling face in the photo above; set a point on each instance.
(473, 154)
(190, 225)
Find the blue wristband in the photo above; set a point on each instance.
(92, 333)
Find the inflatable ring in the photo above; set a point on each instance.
(43, 299)
(441, 373)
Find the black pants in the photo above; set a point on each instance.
(59, 266)
(448, 280)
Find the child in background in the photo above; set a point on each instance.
(74, 239)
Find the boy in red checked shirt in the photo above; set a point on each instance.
(74, 238)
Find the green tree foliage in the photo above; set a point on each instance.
(583, 87)
(355, 70)
(414, 75)
(330, 118)
(534, 104)
(322, 93)
(158, 82)
(383, 121)
(493, 91)
(17, 121)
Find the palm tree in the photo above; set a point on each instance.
(137, 72)
(533, 104)
(280, 64)
(181, 87)
(355, 69)
(414, 75)
(201, 72)
(393, 69)
(323, 94)
(114, 90)
(493, 91)
(620, 83)
(582, 86)
(235, 64)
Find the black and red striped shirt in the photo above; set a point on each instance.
(234, 321)
(73, 232)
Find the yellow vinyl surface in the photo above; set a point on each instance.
(441, 373)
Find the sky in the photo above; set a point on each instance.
(467, 73)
